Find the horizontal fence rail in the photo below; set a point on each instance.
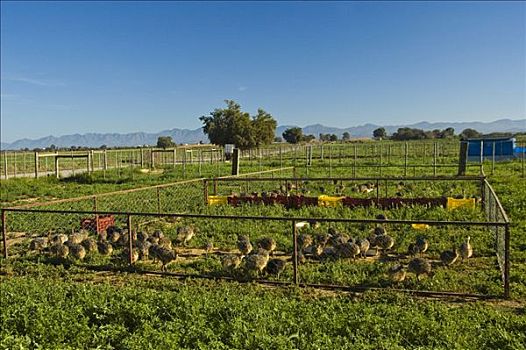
(133, 216)
(186, 204)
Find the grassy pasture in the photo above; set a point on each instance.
(70, 306)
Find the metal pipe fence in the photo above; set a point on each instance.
(169, 207)
(435, 157)
(34, 164)
(288, 247)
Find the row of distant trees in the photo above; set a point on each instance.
(404, 134)
(231, 125)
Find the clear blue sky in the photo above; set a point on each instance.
(150, 66)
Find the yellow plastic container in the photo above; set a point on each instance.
(453, 203)
(420, 226)
(217, 200)
(329, 201)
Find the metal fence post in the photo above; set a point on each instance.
(507, 261)
(200, 161)
(105, 159)
(295, 252)
(36, 165)
(405, 159)
(380, 148)
(4, 232)
(205, 190)
(435, 151)
(462, 158)
(5, 165)
(130, 240)
(493, 158)
(523, 153)
(330, 160)
(184, 164)
(355, 160)
(481, 152)
(88, 161)
(483, 193)
(57, 171)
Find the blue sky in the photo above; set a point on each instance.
(149, 66)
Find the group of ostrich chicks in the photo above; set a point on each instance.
(77, 245)
(258, 259)
(336, 245)
(420, 265)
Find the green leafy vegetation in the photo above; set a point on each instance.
(67, 304)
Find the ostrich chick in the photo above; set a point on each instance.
(77, 251)
(449, 257)
(267, 243)
(466, 251)
(105, 248)
(185, 234)
(397, 273)
(419, 266)
(166, 256)
(275, 267)
(244, 245)
(257, 262)
(231, 262)
(364, 245)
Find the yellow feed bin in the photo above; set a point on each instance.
(217, 200)
(453, 203)
(329, 201)
(420, 226)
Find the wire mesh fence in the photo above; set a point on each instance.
(234, 247)
(358, 158)
(67, 163)
(495, 212)
(351, 191)
(310, 244)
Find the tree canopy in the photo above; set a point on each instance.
(403, 134)
(232, 125)
(165, 142)
(328, 137)
(379, 133)
(293, 135)
(469, 133)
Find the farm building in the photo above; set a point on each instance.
(501, 147)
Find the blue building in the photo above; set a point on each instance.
(502, 148)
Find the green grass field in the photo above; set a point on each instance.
(72, 306)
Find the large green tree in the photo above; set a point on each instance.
(379, 133)
(165, 142)
(265, 128)
(293, 135)
(232, 125)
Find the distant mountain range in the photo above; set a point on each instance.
(194, 136)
